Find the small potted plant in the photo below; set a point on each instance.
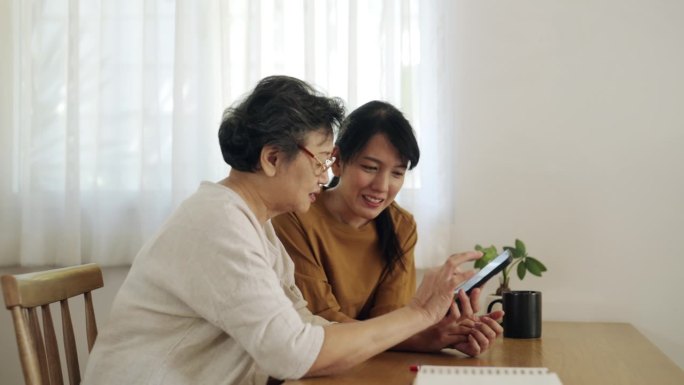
(522, 262)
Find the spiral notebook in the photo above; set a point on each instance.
(484, 375)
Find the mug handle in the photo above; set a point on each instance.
(491, 305)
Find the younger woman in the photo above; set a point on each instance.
(353, 250)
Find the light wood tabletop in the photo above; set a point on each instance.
(579, 352)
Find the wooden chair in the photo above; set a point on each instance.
(38, 351)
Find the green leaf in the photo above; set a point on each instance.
(520, 246)
(521, 270)
(534, 266)
(479, 263)
(489, 254)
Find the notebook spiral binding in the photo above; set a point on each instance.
(474, 370)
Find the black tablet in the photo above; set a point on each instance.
(491, 269)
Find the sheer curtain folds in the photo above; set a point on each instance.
(110, 110)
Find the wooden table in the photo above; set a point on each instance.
(580, 353)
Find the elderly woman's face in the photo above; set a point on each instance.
(305, 175)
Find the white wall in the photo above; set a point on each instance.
(569, 119)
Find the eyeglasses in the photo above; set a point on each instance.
(322, 166)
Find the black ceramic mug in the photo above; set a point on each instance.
(523, 313)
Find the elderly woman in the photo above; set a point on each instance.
(212, 295)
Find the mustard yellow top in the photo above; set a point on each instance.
(337, 266)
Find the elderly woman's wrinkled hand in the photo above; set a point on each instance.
(436, 291)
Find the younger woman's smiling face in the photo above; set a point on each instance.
(369, 182)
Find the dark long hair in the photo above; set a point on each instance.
(356, 131)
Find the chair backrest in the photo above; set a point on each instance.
(38, 351)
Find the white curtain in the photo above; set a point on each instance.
(110, 109)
